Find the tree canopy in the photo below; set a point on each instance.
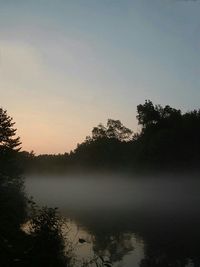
(114, 129)
(149, 114)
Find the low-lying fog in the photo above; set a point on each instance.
(111, 192)
(115, 210)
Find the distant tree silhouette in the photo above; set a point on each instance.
(150, 114)
(167, 138)
(105, 148)
(114, 129)
(147, 114)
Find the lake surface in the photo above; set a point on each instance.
(130, 221)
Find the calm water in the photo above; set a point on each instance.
(132, 221)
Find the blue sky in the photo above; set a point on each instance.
(66, 65)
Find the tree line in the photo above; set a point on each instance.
(168, 138)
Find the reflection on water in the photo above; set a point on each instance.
(130, 221)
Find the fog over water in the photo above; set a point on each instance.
(137, 213)
(114, 192)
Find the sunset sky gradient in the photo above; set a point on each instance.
(67, 65)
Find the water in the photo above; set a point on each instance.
(132, 221)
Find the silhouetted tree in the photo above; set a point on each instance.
(114, 129)
(9, 146)
(167, 135)
(147, 114)
(8, 141)
(106, 147)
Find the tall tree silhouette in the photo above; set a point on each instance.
(9, 146)
(8, 133)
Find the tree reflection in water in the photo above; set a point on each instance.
(169, 239)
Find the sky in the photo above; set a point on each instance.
(67, 65)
